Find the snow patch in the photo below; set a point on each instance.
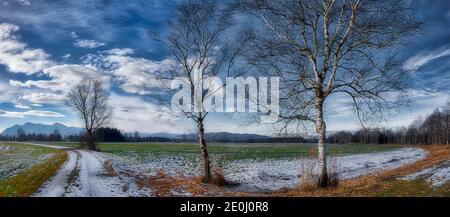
(274, 175)
(436, 175)
(4, 148)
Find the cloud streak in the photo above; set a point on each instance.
(63, 77)
(30, 113)
(416, 62)
(43, 98)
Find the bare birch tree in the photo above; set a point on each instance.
(200, 50)
(90, 101)
(325, 47)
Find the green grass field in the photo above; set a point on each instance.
(235, 151)
(16, 157)
(24, 168)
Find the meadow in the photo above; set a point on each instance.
(24, 168)
(236, 151)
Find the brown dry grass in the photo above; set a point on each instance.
(164, 185)
(109, 168)
(377, 182)
(27, 182)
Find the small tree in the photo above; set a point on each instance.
(89, 100)
(197, 44)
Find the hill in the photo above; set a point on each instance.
(30, 128)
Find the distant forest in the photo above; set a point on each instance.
(432, 129)
(115, 135)
(103, 135)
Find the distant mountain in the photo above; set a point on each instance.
(30, 128)
(43, 129)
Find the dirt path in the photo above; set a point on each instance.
(58, 184)
(82, 175)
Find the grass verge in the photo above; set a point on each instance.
(27, 182)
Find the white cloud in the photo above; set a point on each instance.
(63, 77)
(16, 56)
(4, 87)
(24, 2)
(85, 43)
(38, 98)
(138, 75)
(7, 92)
(74, 35)
(30, 113)
(66, 56)
(120, 51)
(133, 75)
(414, 63)
(20, 106)
(135, 114)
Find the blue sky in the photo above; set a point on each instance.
(47, 46)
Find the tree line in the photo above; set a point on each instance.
(104, 134)
(111, 134)
(21, 135)
(432, 129)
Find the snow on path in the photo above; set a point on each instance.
(84, 175)
(436, 175)
(57, 185)
(92, 179)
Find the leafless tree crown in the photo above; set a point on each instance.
(333, 46)
(90, 100)
(197, 43)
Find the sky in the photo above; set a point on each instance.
(47, 47)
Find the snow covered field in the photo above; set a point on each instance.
(278, 174)
(271, 175)
(436, 176)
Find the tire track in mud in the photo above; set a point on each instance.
(73, 176)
